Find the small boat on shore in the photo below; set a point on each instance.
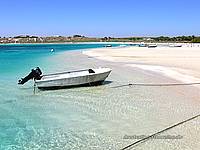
(152, 45)
(175, 45)
(69, 79)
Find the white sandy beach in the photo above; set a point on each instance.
(100, 117)
(106, 114)
(179, 63)
(166, 105)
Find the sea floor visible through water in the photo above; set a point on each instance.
(96, 117)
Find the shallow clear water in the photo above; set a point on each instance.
(48, 119)
(18, 58)
(89, 117)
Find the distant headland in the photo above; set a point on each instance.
(81, 38)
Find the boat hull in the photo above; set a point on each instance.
(86, 80)
(72, 86)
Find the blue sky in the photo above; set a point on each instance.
(100, 17)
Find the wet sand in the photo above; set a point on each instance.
(107, 114)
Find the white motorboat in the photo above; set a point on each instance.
(175, 45)
(152, 45)
(70, 79)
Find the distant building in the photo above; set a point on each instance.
(147, 39)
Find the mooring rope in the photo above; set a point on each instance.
(163, 84)
(143, 84)
(159, 132)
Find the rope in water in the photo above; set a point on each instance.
(164, 84)
(147, 84)
(159, 132)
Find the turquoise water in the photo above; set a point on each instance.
(18, 58)
(87, 117)
(48, 120)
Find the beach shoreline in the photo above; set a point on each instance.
(176, 63)
(100, 116)
(152, 108)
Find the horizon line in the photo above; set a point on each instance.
(59, 35)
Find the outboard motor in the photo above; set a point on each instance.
(35, 74)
